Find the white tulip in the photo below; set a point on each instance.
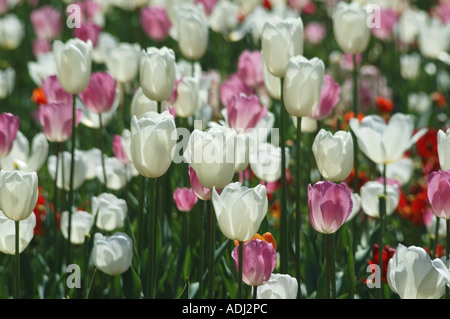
(82, 223)
(413, 275)
(265, 162)
(112, 254)
(333, 154)
(141, 104)
(240, 210)
(64, 161)
(73, 64)
(302, 85)
(370, 201)
(350, 27)
(279, 286)
(12, 31)
(123, 62)
(8, 233)
(212, 156)
(281, 41)
(157, 73)
(376, 138)
(443, 139)
(7, 80)
(18, 193)
(22, 158)
(153, 141)
(110, 210)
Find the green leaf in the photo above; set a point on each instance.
(132, 285)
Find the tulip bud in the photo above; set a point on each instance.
(333, 154)
(112, 254)
(265, 162)
(413, 275)
(188, 100)
(117, 174)
(8, 233)
(56, 120)
(18, 193)
(185, 199)
(100, 94)
(12, 31)
(330, 205)
(271, 82)
(329, 97)
(152, 143)
(141, 104)
(258, 262)
(157, 73)
(9, 126)
(434, 38)
(73, 64)
(192, 29)
(47, 22)
(279, 286)
(350, 28)
(82, 223)
(303, 84)
(63, 181)
(212, 155)
(155, 22)
(438, 190)
(7, 81)
(240, 210)
(123, 62)
(121, 146)
(280, 42)
(109, 210)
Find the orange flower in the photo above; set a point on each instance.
(385, 105)
(439, 99)
(267, 237)
(38, 96)
(350, 114)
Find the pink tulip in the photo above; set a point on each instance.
(4, 7)
(155, 22)
(442, 10)
(232, 86)
(56, 120)
(185, 199)
(54, 92)
(329, 98)
(88, 31)
(244, 112)
(258, 261)
(388, 20)
(41, 46)
(47, 22)
(100, 93)
(200, 191)
(315, 32)
(89, 9)
(119, 150)
(329, 206)
(9, 125)
(438, 189)
(250, 68)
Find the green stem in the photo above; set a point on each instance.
(72, 169)
(17, 263)
(140, 217)
(330, 242)
(382, 213)
(298, 203)
(151, 276)
(328, 265)
(202, 248)
(211, 249)
(102, 149)
(159, 103)
(241, 256)
(283, 199)
(255, 292)
(55, 206)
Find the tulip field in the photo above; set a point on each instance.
(224, 149)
